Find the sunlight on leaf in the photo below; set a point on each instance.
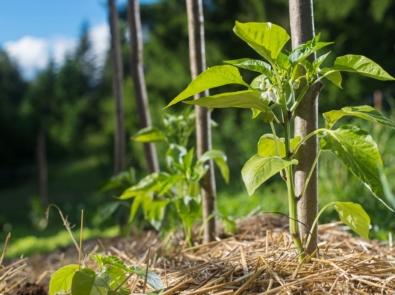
(355, 217)
(365, 112)
(61, 279)
(258, 169)
(266, 38)
(211, 78)
(362, 65)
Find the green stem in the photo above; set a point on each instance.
(316, 221)
(276, 145)
(299, 99)
(293, 212)
(303, 140)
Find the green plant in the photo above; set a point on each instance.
(275, 94)
(113, 273)
(110, 279)
(175, 193)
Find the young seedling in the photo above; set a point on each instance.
(272, 96)
(177, 190)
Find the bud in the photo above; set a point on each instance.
(296, 84)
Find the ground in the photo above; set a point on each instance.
(259, 259)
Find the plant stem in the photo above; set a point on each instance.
(316, 220)
(293, 212)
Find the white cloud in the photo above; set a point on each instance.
(60, 46)
(32, 54)
(100, 38)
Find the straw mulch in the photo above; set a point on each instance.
(259, 259)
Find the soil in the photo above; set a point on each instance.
(32, 289)
(259, 259)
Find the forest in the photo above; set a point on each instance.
(68, 110)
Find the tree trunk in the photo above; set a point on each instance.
(306, 121)
(140, 90)
(41, 162)
(117, 80)
(203, 129)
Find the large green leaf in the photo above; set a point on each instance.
(241, 99)
(362, 65)
(359, 152)
(149, 134)
(220, 159)
(304, 50)
(364, 112)
(355, 217)
(266, 38)
(212, 77)
(252, 65)
(61, 279)
(259, 168)
(154, 211)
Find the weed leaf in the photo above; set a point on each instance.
(62, 278)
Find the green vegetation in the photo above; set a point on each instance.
(273, 97)
(80, 113)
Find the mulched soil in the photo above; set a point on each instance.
(259, 259)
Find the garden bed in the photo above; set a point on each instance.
(259, 259)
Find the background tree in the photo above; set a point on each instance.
(116, 58)
(137, 72)
(197, 59)
(40, 105)
(306, 121)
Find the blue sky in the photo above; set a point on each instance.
(32, 31)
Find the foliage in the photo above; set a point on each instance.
(275, 94)
(178, 190)
(110, 279)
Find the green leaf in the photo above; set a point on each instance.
(334, 76)
(259, 168)
(62, 278)
(241, 99)
(252, 65)
(114, 276)
(355, 217)
(267, 147)
(304, 50)
(85, 283)
(220, 159)
(153, 279)
(211, 78)
(265, 38)
(150, 183)
(149, 134)
(188, 209)
(359, 152)
(154, 211)
(294, 142)
(283, 61)
(318, 62)
(365, 112)
(114, 261)
(362, 65)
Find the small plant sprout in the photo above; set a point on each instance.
(175, 193)
(272, 96)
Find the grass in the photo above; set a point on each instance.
(32, 245)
